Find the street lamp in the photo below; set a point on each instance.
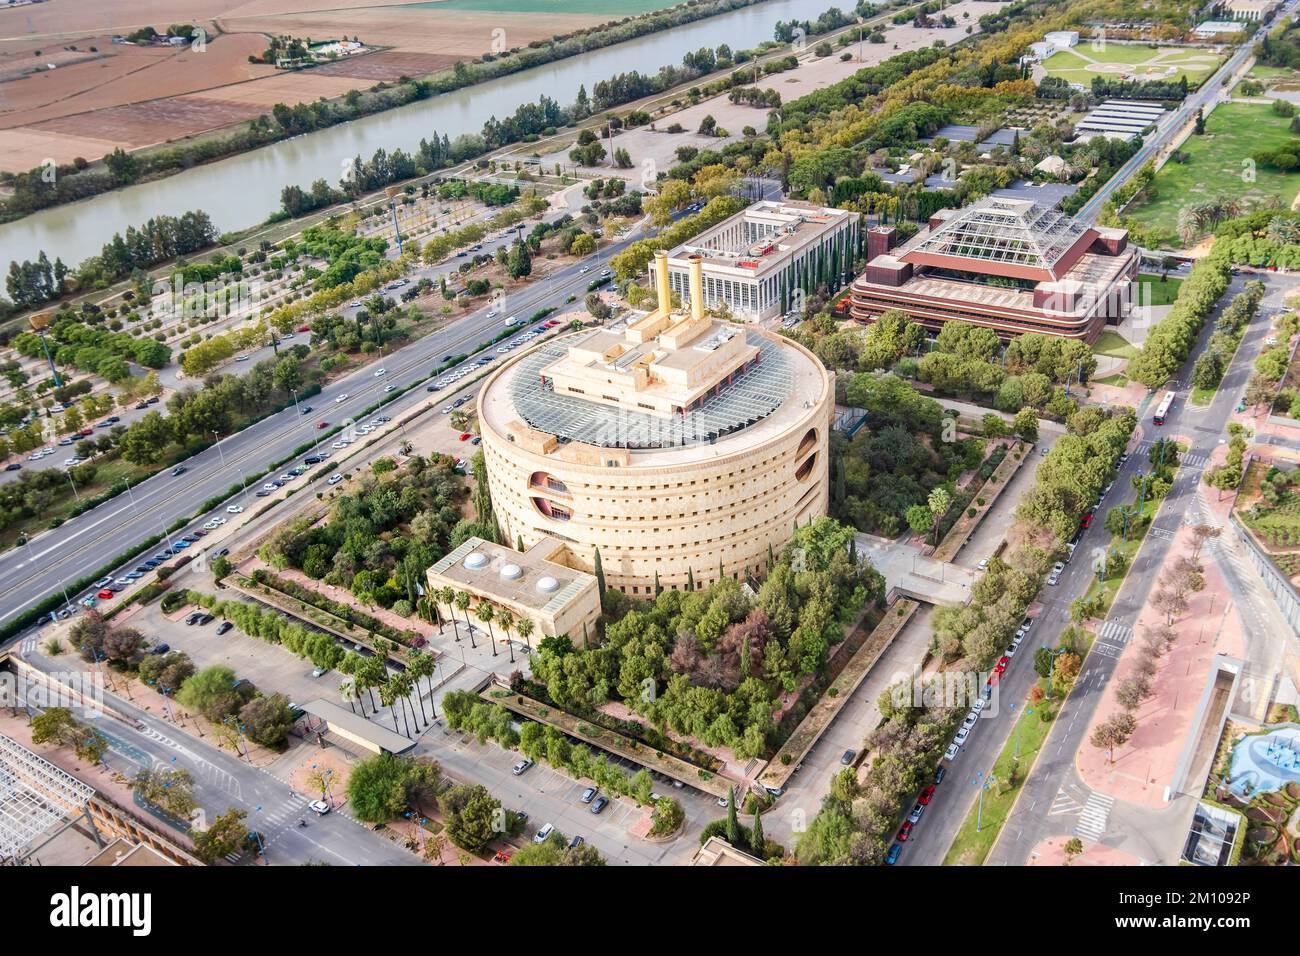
(220, 451)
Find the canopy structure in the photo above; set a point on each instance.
(37, 801)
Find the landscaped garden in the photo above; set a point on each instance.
(1132, 61)
(1269, 505)
(1251, 775)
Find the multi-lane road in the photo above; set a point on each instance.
(56, 559)
(1203, 429)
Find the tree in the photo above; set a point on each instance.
(267, 720)
(1064, 672)
(212, 692)
(472, 815)
(1026, 424)
(519, 264)
(1200, 534)
(169, 790)
(1073, 847)
(599, 571)
(757, 841)
(226, 835)
(939, 502)
(377, 788)
(733, 822)
(1113, 732)
(485, 613)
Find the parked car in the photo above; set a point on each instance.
(846, 758)
(915, 816)
(544, 832)
(927, 794)
(892, 856)
(223, 627)
(599, 804)
(588, 795)
(319, 807)
(904, 832)
(521, 766)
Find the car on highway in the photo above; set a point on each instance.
(519, 768)
(306, 410)
(380, 371)
(390, 388)
(179, 470)
(342, 398)
(335, 478)
(448, 409)
(235, 510)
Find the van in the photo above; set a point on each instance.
(544, 832)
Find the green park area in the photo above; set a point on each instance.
(1213, 168)
(1138, 61)
(1153, 290)
(1114, 345)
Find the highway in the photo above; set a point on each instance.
(56, 559)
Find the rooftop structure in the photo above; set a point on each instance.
(681, 447)
(1012, 265)
(753, 261)
(718, 852)
(1215, 28)
(38, 801)
(1122, 119)
(536, 584)
(1253, 10)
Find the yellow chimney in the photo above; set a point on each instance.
(697, 287)
(661, 282)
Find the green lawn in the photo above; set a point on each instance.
(1082, 63)
(1119, 381)
(1152, 291)
(1114, 345)
(1233, 133)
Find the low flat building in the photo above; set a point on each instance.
(1252, 10)
(1211, 29)
(1010, 265)
(536, 584)
(718, 852)
(1121, 119)
(754, 261)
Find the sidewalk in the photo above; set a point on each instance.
(1145, 765)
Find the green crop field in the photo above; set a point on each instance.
(1233, 133)
(621, 8)
(1116, 61)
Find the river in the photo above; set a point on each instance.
(243, 190)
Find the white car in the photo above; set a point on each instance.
(390, 388)
(268, 487)
(335, 478)
(341, 398)
(544, 832)
(1058, 567)
(210, 526)
(340, 444)
(969, 722)
(951, 752)
(69, 462)
(380, 371)
(319, 807)
(984, 564)
(961, 736)
(235, 510)
(1053, 579)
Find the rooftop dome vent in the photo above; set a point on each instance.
(547, 584)
(476, 561)
(512, 572)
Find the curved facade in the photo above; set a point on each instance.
(678, 495)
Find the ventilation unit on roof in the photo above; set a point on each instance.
(512, 572)
(476, 561)
(547, 584)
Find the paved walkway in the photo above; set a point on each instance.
(1145, 766)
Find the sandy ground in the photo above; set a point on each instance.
(1052, 853)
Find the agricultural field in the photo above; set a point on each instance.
(1233, 133)
(1133, 62)
(611, 8)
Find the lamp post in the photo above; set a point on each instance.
(220, 451)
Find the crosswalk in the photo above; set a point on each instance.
(1094, 816)
(1191, 459)
(1114, 632)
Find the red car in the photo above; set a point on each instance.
(304, 328)
(1087, 521)
(1001, 665)
(464, 436)
(106, 595)
(926, 795)
(905, 832)
(86, 432)
(320, 425)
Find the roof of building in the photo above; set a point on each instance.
(360, 728)
(36, 797)
(528, 579)
(749, 397)
(718, 852)
(1009, 237)
(775, 230)
(122, 852)
(1045, 194)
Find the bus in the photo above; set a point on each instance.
(1166, 403)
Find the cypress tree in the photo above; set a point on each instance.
(690, 580)
(733, 824)
(599, 571)
(771, 558)
(756, 839)
(658, 587)
(519, 542)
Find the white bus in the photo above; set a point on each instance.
(1162, 409)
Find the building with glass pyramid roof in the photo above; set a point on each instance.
(1011, 265)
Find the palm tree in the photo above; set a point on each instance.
(507, 621)
(403, 686)
(348, 691)
(525, 627)
(462, 602)
(417, 666)
(485, 614)
(386, 697)
(441, 596)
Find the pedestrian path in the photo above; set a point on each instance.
(1112, 638)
